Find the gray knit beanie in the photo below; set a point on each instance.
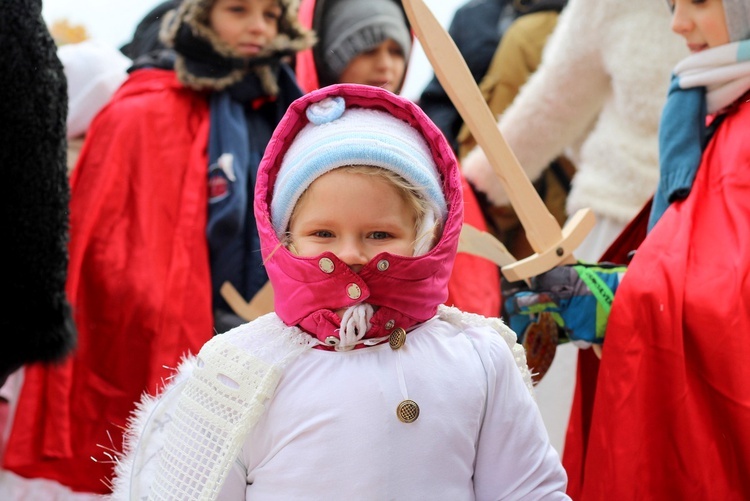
(737, 13)
(351, 27)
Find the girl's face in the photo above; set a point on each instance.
(246, 25)
(354, 216)
(382, 66)
(700, 22)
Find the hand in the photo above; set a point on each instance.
(578, 297)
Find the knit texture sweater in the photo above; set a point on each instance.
(37, 320)
(601, 85)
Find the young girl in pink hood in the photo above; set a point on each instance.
(361, 385)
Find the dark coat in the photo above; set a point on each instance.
(36, 318)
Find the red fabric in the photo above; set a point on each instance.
(671, 417)
(579, 425)
(304, 67)
(474, 285)
(138, 280)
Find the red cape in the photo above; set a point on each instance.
(138, 280)
(671, 415)
(579, 425)
(474, 285)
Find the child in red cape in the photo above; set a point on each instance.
(160, 217)
(672, 404)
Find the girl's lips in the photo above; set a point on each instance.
(696, 47)
(248, 49)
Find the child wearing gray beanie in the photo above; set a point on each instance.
(350, 27)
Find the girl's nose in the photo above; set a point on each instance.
(352, 253)
(385, 58)
(256, 23)
(681, 23)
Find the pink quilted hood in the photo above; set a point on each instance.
(405, 290)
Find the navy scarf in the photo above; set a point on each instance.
(242, 121)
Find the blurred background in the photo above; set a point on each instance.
(113, 21)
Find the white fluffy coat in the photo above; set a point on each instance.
(605, 69)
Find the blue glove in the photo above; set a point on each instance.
(579, 298)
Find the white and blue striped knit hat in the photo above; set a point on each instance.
(338, 137)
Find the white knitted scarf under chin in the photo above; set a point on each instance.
(355, 322)
(724, 71)
(703, 83)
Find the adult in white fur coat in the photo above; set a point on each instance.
(605, 69)
(598, 91)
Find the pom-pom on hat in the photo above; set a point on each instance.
(338, 137)
(307, 290)
(351, 27)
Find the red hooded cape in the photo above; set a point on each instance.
(127, 280)
(671, 412)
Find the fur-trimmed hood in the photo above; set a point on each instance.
(186, 30)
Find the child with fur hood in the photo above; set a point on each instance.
(161, 216)
(361, 385)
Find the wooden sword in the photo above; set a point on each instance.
(552, 245)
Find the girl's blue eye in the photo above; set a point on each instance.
(379, 235)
